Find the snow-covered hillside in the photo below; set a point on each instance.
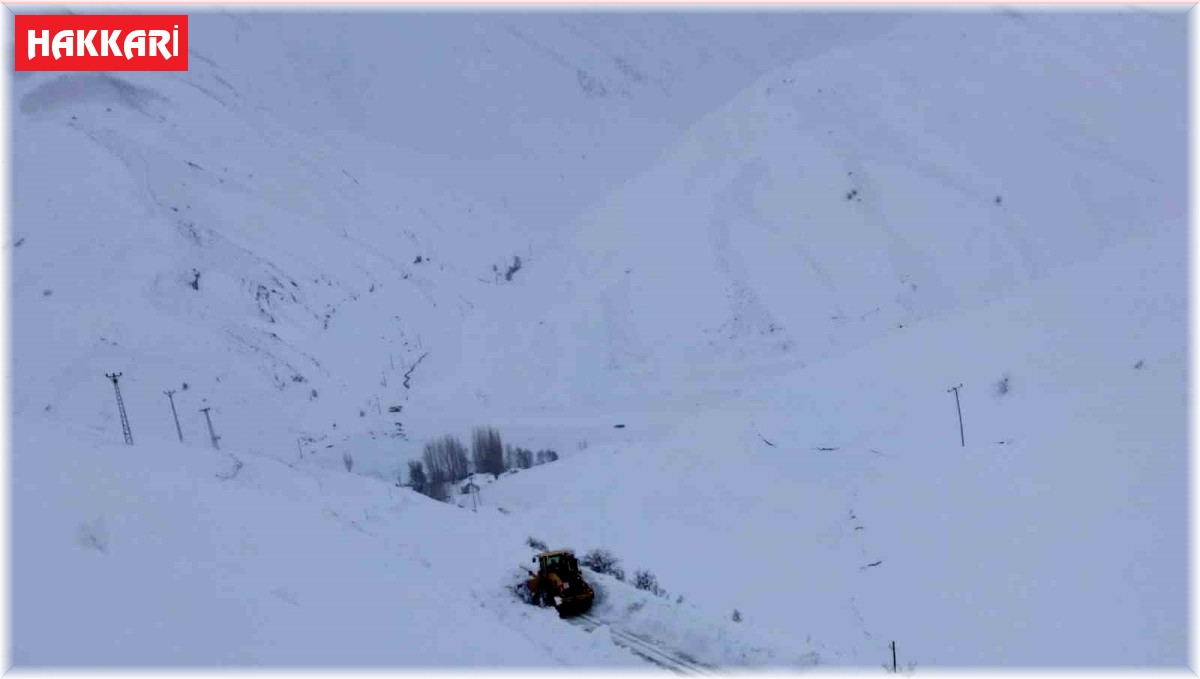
(1055, 536)
(297, 232)
(846, 195)
(765, 243)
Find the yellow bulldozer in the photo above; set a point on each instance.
(558, 583)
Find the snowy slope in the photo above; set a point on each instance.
(1059, 523)
(733, 227)
(168, 555)
(162, 561)
(868, 188)
(1055, 537)
(336, 242)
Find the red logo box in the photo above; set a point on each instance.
(101, 42)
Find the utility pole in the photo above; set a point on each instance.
(212, 435)
(178, 430)
(961, 437)
(121, 408)
(474, 491)
(893, 645)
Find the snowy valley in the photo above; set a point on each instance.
(726, 265)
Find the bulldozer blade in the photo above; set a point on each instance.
(567, 609)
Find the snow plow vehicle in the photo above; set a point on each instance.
(558, 583)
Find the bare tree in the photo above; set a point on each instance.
(488, 451)
(524, 458)
(435, 464)
(437, 489)
(455, 453)
(446, 456)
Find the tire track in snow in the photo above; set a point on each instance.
(647, 649)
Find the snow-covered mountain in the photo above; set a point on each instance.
(764, 243)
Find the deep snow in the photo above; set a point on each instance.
(734, 228)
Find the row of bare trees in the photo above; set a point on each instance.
(444, 461)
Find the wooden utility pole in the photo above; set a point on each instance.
(178, 430)
(961, 437)
(121, 408)
(893, 645)
(212, 435)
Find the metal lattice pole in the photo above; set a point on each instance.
(961, 437)
(121, 408)
(212, 435)
(178, 430)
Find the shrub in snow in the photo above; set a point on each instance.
(536, 544)
(416, 476)
(603, 561)
(348, 461)
(737, 615)
(1002, 386)
(645, 580)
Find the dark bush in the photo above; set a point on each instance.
(1002, 386)
(645, 580)
(512, 268)
(416, 476)
(603, 561)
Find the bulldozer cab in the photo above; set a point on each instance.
(551, 562)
